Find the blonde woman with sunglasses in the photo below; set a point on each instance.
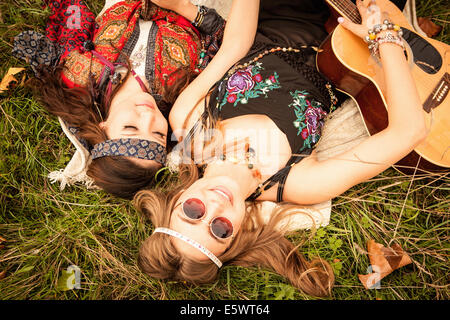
(252, 138)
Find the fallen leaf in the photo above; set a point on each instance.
(429, 27)
(383, 261)
(9, 78)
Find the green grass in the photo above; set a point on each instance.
(47, 229)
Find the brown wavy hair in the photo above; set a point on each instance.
(85, 108)
(256, 244)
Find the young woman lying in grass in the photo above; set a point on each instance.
(252, 138)
(115, 92)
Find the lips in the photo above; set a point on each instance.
(224, 193)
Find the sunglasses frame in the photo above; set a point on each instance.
(209, 224)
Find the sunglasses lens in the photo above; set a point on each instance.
(222, 228)
(194, 208)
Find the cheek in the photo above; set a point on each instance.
(237, 218)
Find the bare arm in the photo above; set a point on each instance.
(324, 180)
(183, 7)
(238, 38)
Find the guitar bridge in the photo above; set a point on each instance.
(439, 93)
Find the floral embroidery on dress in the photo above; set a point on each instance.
(310, 116)
(248, 83)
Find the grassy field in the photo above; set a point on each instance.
(46, 229)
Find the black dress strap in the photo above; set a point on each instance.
(279, 177)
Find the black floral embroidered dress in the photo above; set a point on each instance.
(285, 86)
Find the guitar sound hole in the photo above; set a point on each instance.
(426, 57)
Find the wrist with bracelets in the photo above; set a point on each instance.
(200, 16)
(374, 40)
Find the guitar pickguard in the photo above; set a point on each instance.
(425, 56)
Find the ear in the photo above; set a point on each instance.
(102, 124)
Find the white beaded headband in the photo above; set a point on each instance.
(193, 243)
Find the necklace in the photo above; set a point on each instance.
(258, 57)
(333, 98)
(231, 155)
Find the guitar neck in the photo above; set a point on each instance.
(347, 9)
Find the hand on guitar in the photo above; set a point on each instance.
(370, 16)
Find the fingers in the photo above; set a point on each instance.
(357, 29)
(362, 8)
(373, 15)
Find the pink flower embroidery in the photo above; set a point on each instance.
(257, 77)
(240, 81)
(305, 133)
(231, 98)
(313, 117)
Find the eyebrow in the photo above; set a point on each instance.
(193, 222)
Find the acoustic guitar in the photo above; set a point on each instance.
(346, 60)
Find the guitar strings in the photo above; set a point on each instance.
(352, 13)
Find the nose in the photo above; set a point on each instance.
(214, 206)
(146, 116)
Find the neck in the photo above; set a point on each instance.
(239, 173)
(347, 9)
(132, 85)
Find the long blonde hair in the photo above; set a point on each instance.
(256, 244)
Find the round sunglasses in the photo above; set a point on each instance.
(195, 209)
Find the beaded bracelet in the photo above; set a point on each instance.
(376, 29)
(374, 47)
(200, 16)
(374, 41)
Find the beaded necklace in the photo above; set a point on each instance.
(248, 157)
(333, 98)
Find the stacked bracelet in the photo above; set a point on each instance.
(387, 25)
(374, 40)
(200, 16)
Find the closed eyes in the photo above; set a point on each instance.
(162, 135)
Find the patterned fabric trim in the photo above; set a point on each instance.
(131, 43)
(75, 131)
(138, 148)
(36, 49)
(150, 58)
(212, 39)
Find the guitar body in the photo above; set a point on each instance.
(346, 60)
